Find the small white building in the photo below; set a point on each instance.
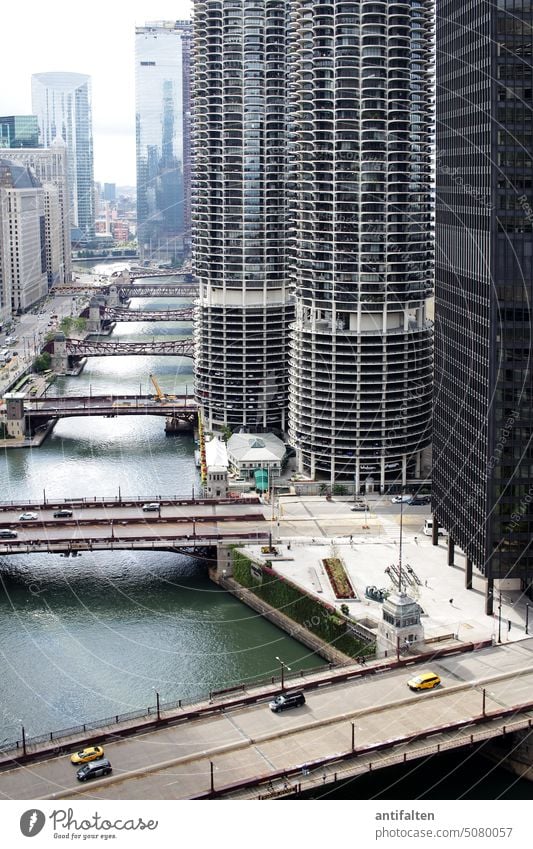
(216, 458)
(248, 452)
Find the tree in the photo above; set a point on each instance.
(42, 362)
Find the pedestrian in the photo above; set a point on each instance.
(451, 601)
(416, 540)
(425, 583)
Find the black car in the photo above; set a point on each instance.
(7, 533)
(287, 700)
(418, 500)
(94, 769)
(63, 514)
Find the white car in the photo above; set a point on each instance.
(27, 517)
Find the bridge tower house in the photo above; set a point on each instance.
(15, 417)
(94, 322)
(400, 626)
(60, 363)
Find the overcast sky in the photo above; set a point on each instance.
(95, 38)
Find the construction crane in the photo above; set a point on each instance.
(159, 394)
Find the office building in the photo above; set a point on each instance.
(483, 419)
(50, 167)
(162, 93)
(239, 213)
(110, 192)
(23, 257)
(19, 131)
(62, 103)
(359, 146)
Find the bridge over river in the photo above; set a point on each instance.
(355, 719)
(122, 524)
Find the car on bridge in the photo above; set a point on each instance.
(91, 753)
(7, 533)
(424, 681)
(63, 514)
(28, 517)
(96, 769)
(287, 700)
(151, 506)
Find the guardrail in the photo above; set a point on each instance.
(123, 501)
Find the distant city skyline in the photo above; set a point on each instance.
(103, 48)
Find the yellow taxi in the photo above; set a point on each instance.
(92, 753)
(424, 681)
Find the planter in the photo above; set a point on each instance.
(339, 580)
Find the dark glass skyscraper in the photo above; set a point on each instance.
(162, 74)
(483, 415)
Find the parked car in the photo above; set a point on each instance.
(418, 500)
(96, 769)
(401, 499)
(28, 517)
(424, 681)
(63, 514)
(287, 700)
(152, 505)
(7, 533)
(92, 753)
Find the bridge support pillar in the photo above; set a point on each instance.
(468, 574)
(224, 561)
(60, 362)
(15, 416)
(451, 551)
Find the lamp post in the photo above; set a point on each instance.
(527, 618)
(23, 740)
(500, 618)
(283, 667)
(158, 707)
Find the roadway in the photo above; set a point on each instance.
(173, 762)
(97, 525)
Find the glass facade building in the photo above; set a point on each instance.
(62, 103)
(239, 212)
(162, 90)
(483, 419)
(362, 253)
(19, 131)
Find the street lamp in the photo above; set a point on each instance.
(283, 667)
(157, 704)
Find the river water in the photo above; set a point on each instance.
(88, 637)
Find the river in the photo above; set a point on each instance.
(88, 637)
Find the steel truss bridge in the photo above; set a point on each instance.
(181, 407)
(85, 348)
(119, 314)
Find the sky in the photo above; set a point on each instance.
(95, 38)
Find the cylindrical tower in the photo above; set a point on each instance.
(244, 310)
(360, 155)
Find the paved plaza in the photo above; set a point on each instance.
(308, 529)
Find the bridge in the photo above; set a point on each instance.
(355, 720)
(66, 352)
(99, 525)
(123, 315)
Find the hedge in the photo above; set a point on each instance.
(318, 617)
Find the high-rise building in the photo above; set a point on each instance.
(19, 131)
(110, 191)
(50, 168)
(62, 103)
(360, 146)
(239, 212)
(483, 418)
(162, 91)
(23, 252)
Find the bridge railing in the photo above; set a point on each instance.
(123, 501)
